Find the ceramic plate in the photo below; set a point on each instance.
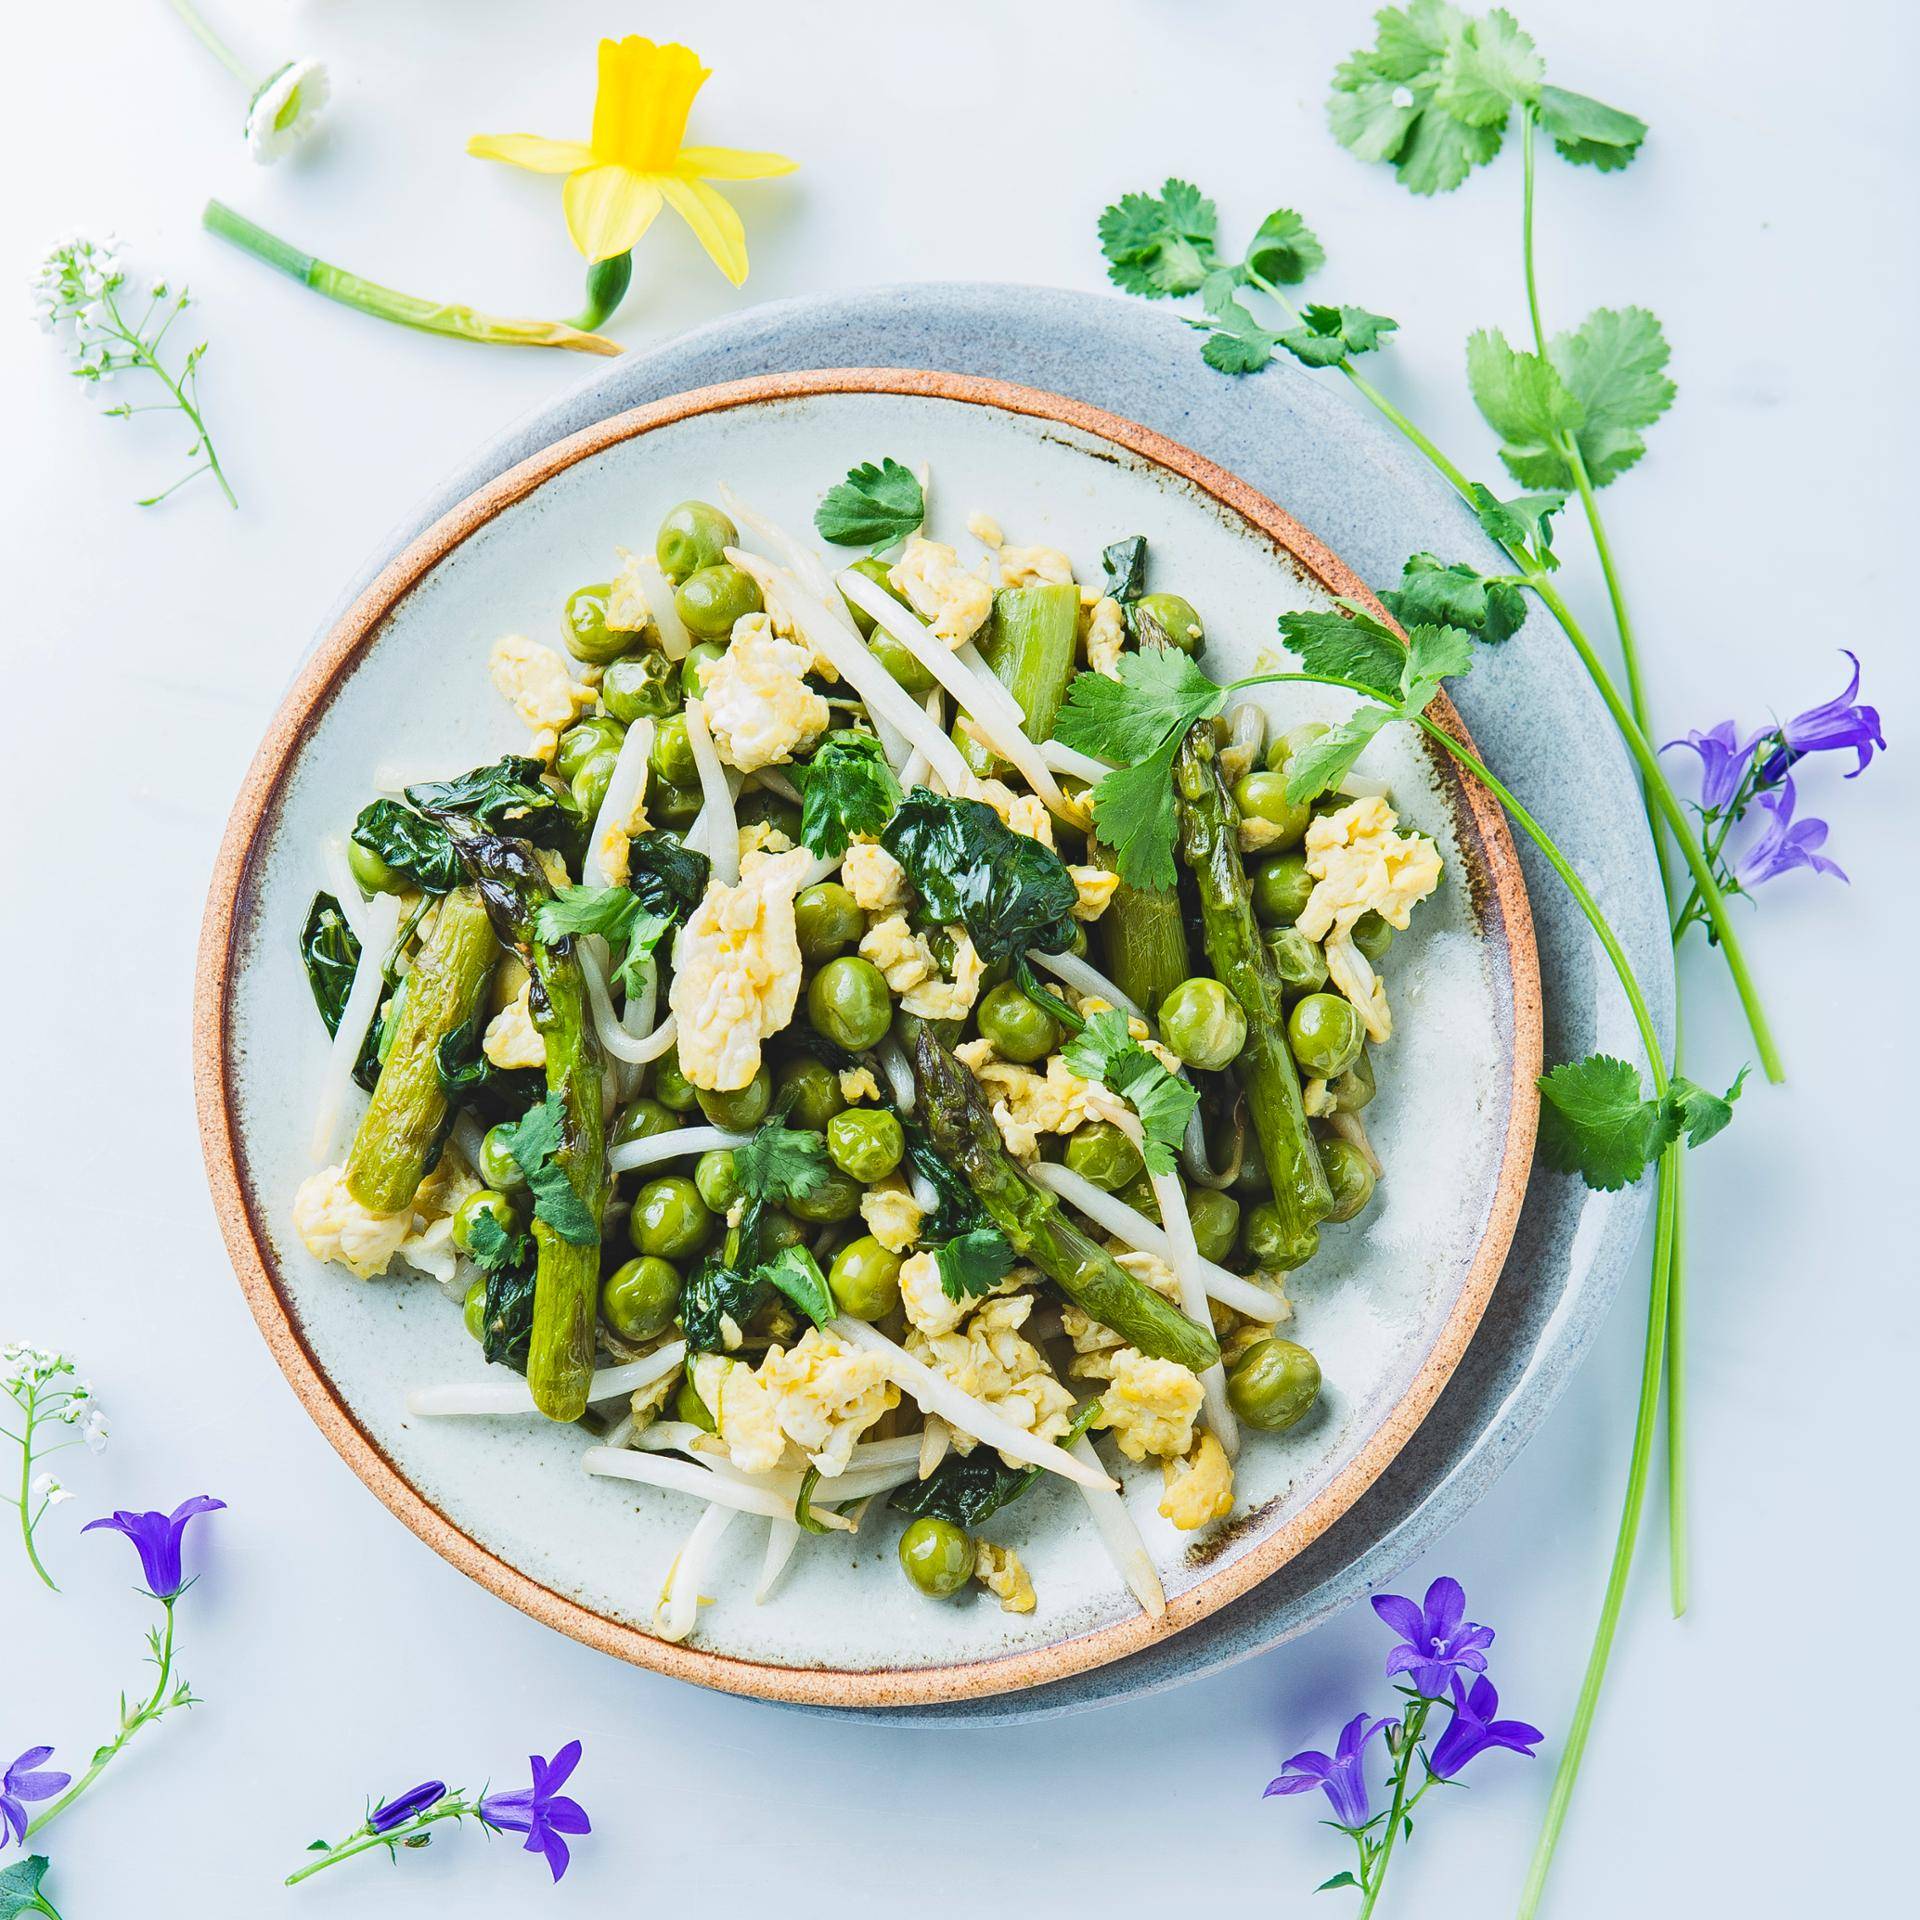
(400, 682)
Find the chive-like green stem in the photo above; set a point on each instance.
(212, 42)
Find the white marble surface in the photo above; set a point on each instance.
(1768, 223)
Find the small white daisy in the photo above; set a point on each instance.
(285, 109)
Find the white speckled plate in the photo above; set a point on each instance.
(400, 681)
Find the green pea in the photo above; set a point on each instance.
(1216, 1222)
(672, 753)
(837, 1197)
(902, 663)
(1285, 745)
(1267, 1237)
(671, 1087)
(866, 1143)
(676, 806)
(1348, 1175)
(700, 656)
(1273, 1385)
(712, 598)
(583, 740)
(743, 1108)
(589, 786)
(1020, 1028)
(937, 1555)
(689, 1407)
(641, 1121)
(1354, 1088)
(692, 536)
(848, 1002)
(827, 920)
(502, 1210)
(496, 1166)
(640, 686)
(1325, 1033)
(1263, 796)
(1138, 1193)
(779, 1230)
(865, 1279)
(473, 1310)
(1203, 1023)
(640, 1297)
(717, 1178)
(1175, 617)
(371, 874)
(811, 1090)
(1101, 1153)
(876, 571)
(589, 637)
(669, 1219)
(1280, 889)
(1301, 963)
(1373, 934)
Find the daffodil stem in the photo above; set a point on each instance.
(212, 42)
(607, 283)
(387, 303)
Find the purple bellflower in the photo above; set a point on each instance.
(1473, 1730)
(1342, 1778)
(542, 1812)
(1837, 725)
(156, 1538)
(1786, 842)
(23, 1782)
(1723, 761)
(1436, 1638)
(396, 1812)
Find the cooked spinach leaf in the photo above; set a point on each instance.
(1126, 566)
(418, 849)
(469, 1079)
(510, 797)
(717, 1293)
(666, 877)
(506, 1328)
(968, 1488)
(330, 951)
(794, 1272)
(957, 1210)
(1011, 893)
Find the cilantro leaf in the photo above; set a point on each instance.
(1525, 522)
(1159, 692)
(1700, 1114)
(1323, 763)
(1597, 1123)
(1239, 343)
(1328, 335)
(1490, 68)
(1134, 813)
(1588, 133)
(1458, 596)
(1106, 1051)
(492, 1247)
(1358, 649)
(782, 1163)
(20, 1886)
(794, 1271)
(613, 913)
(848, 787)
(1285, 249)
(534, 1141)
(1526, 402)
(974, 1262)
(1158, 247)
(872, 507)
(1434, 654)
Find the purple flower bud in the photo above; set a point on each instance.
(393, 1813)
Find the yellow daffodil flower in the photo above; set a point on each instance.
(618, 180)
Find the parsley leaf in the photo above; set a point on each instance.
(1285, 249)
(872, 507)
(974, 1262)
(1106, 1051)
(1328, 335)
(848, 787)
(1596, 1122)
(1525, 522)
(1587, 133)
(533, 1141)
(1457, 596)
(1159, 246)
(794, 1272)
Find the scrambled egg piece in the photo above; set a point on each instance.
(627, 608)
(998, 1569)
(1257, 835)
(857, 1084)
(512, 1040)
(757, 840)
(892, 1215)
(1026, 1105)
(907, 963)
(991, 1360)
(1316, 1098)
(1148, 1405)
(1095, 886)
(509, 981)
(736, 972)
(927, 1306)
(1359, 864)
(941, 591)
(615, 845)
(1023, 812)
(1199, 1488)
(745, 1413)
(535, 679)
(1106, 635)
(1035, 566)
(335, 1226)
(985, 528)
(877, 881)
(759, 706)
(825, 1395)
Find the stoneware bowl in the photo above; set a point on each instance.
(400, 683)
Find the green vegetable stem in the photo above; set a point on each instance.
(1030, 644)
(1144, 936)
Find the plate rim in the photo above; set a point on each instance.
(1505, 911)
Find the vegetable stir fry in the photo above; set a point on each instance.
(800, 1095)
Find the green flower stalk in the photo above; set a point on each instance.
(606, 285)
(283, 106)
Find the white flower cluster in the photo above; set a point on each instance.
(29, 1372)
(74, 287)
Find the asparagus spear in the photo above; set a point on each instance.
(406, 1119)
(1144, 937)
(1210, 839)
(566, 1280)
(959, 1118)
(1030, 643)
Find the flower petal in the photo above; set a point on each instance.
(640, 107)
(715, 224)
(1446, 1605)
(533, 151)
(1401, 1615)
(731, 163)
(608, 209)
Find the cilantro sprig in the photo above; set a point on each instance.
(534, 1141)
(874, 506)
(1597, 1121)
(619, 917)
(1106, 1051)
